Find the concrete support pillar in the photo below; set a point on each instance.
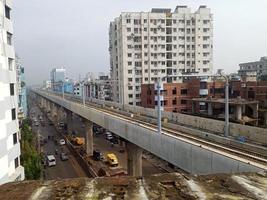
(88, 137)
(69, 121)
(210, 110)
(42, 102)
(265, 118)
(134, 159)
(193, 107)
(54, 114)
(238, 112)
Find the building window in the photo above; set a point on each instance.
(13, 114)
(174, 102)
(8, 12)
(15, 138)
(183, 102)
(128, 21)
(12, 89)
(16, 162)
(184, 91)
(174, 91)
(10, 64)
(9, 38)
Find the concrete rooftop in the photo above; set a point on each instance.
(161, 186)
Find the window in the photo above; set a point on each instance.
(183, 102)
(129, 55)
(128, 29)
(129, 63)
(9, 38)
(184, 91)
(16, 162)
(130, 71)
(130, 96)
(15, 138)
(12, 89)
(174, 91)
(7, 12)
(10, 64)
(174, 102)
(145, 20)
(128, 21)
(13, 113)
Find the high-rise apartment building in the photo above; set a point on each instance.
(145, 46)
(10, 168)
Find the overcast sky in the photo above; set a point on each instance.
(74, 33)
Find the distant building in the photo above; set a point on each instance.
(99, 88)
(22, 94)
(58, 76)
(253, 71)
(145, 46)
(47, 84)
(77, 89)
(248, 100)
(10, 167)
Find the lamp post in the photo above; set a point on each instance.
(83, 94)
(226, 126)
(158, 86)
(63, 90)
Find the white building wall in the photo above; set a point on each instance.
(8, 126)
(145, 46)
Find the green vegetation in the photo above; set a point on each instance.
(30, 158)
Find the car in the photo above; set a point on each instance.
(109, 137)
(51, 160)
(97, 155)
(64, 156)
(114, 140)
(61, 124)
(62, 142)
(112, 160)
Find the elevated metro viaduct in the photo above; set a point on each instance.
(189, 155)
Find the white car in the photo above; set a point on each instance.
(51, 160)
(62, 142)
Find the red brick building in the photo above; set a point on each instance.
(177, 97)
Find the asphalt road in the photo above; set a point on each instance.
(105, 147)
(63, 169)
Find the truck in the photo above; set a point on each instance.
(112, 160)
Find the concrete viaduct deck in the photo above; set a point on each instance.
(188, 154)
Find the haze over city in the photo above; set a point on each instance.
(74, 34)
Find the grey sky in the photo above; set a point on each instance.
(74, 33)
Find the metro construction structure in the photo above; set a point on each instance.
(192, 154)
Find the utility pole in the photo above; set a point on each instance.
(159, 106)
(226, 131)
(226, 123)
(63, 90)
(83, 89)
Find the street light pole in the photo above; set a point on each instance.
(226, 131)
(63, 90)
(226, 126)
(159, 106)
(83, 89)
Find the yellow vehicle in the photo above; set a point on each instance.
(78, 140)
(112, 159)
